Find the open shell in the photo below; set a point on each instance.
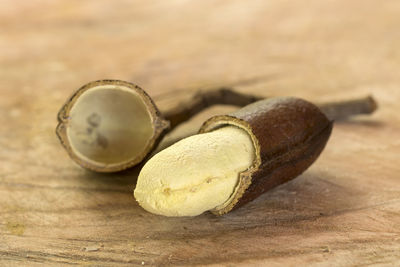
(288, 135)
(110, 125)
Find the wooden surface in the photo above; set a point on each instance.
(344, 211)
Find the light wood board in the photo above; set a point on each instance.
(343, 211)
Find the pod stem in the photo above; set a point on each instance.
(339, 110)
(342, 110)
(207, 98)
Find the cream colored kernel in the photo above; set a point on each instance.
(195, 174)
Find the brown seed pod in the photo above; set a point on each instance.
(110, 125)
(288, 135)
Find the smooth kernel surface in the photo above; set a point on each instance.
(195, 174)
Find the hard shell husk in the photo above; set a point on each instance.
(160, 127)
(288, 136)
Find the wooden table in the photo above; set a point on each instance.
(343, 211)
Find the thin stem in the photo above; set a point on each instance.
(342, 110)
(204, 99)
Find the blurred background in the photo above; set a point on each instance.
(53, 47)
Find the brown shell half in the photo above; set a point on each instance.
(160, 127)
(288, 135)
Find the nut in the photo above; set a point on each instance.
(196, 174)
(268, 143)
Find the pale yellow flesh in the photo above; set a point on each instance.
(109, 125)
(195, 174)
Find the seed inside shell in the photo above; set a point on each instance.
(109, 125)
(234, 159)
(288, 135)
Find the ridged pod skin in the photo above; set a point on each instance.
(288, 136)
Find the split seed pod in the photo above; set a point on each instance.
(288, 135)
(110, 125)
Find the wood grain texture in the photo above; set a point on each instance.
(344, 211)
